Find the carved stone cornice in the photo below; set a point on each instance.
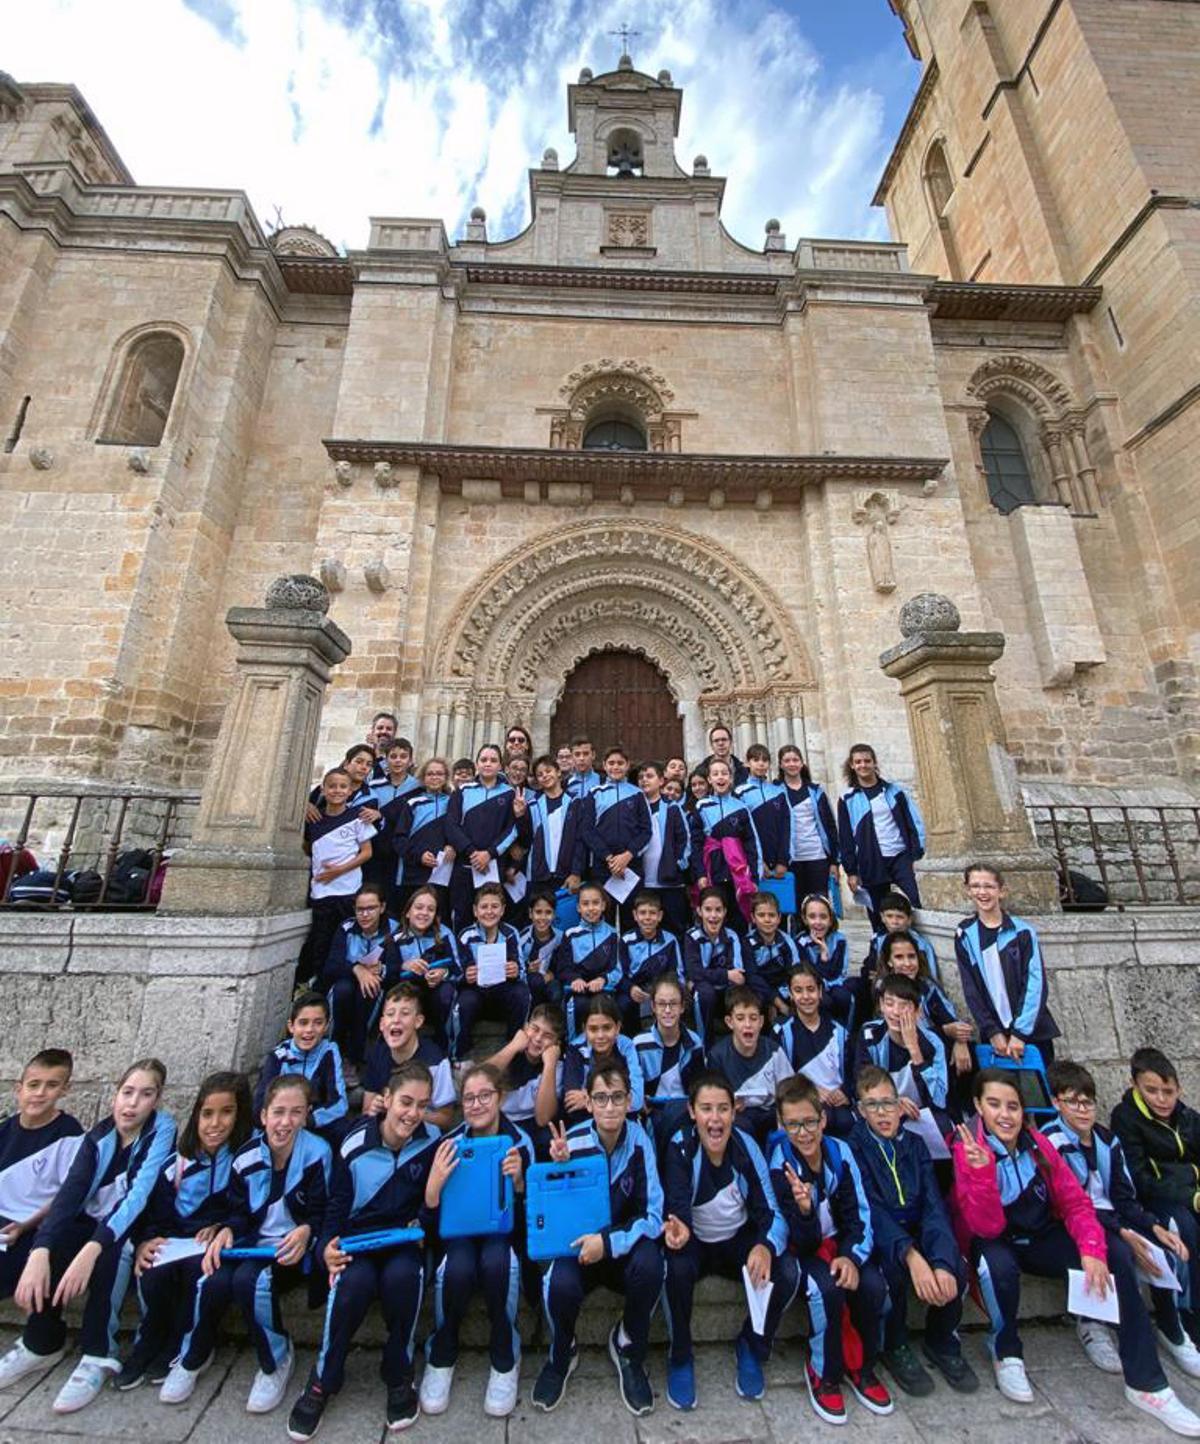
(984, 301)
(653, 474)
(317, 276)
(707, 283)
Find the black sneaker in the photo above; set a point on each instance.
(305, 1418)
(636, 1393)
(132, 1376)
(160, 1367)
(403, 1410)
(907, 1370)
(954, 1369)
(551, 1386)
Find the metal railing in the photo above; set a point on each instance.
(80, 834)
(1141, 856)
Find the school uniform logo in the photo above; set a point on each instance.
(414, 1170)
(627, 1185)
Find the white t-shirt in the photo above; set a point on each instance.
(806, 840)
(886, 832)
(334, 840)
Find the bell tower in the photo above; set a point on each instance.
(624, 123)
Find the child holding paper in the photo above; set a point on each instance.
(1017, 1208)
(722, 1218)
(1095, 1157)
(615, 824)
(493, 977)
(588, 959)
(189, 1203)
(379, 1184)
(489, 1263)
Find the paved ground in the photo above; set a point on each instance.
(1075, 1405)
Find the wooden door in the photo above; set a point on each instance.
(619, 698)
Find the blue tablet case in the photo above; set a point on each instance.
(783, 890)
(563, 1201)
(478, 1198)
(1031, 1081)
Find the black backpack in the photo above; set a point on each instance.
(130, 877)
(36, 889)
(84, 885)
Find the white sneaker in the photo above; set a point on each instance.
(20, 1362)
(1186, 1355)
(177, 1387)
(1012, 1381)
(85, 1383)
(1167, 1408)
(1098, 1346)
(501, 1397)
(435, 1389)
(267, 1391)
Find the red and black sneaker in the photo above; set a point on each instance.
(869, 1390)
(826, 1397)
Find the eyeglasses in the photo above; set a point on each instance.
(609, 1100)
(803, 1125)
(879, 1105)
(369, 908)
(1082, 1105)
(478, 1100)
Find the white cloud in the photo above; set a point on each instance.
(337, 110)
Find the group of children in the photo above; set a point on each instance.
(764, 1112)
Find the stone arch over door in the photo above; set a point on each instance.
(713, 627)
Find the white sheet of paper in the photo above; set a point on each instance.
(516, 888)
(927, 1130)
(177, 1248)
(1091, 1306)
(490, 959)
(491, 873)
(757, 1299)
(621, 887)
(372, 957)
(439, 876)
(1165, 1278)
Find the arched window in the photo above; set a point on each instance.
(938, 180)
(1010, 483)
(141, 400)
(613, 436)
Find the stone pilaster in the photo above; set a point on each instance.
(966, 779)
(245, 856)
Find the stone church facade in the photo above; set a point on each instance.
(625, 433)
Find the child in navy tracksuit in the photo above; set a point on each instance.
(615, 825)
(84, 1243)
(337, 839)
(363, 963)
(815, 1044)
(399, 1042)
(896, 916)
(308, 1053)
(646, 952)
(714, 957)
(429, 958)
(38, 1144)
(480, 827)
(419, 831)
(588, 959)
(531, 1063)
(1096, 1158)
(721, 1217)
(379, 1183)
(773, 954)
(752, 1062)
(538, 942)
(901, 954)
(881, 834)
(600, 1041)
(820, 1193)
(278, 1194)
(190, 1201)
(910, 1053)
(489, 1263)
(730, 854)
(807, 838)
(508, 1000)
(914, 1240)
(549, 830)
(1002, 972)
(666, 861)
(669, 1055)
(823, 943)
(625, 1256)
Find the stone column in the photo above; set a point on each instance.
(967, 782)
(245, 856)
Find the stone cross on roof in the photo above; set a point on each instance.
(626, 35)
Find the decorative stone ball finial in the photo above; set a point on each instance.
(664, 77)
(928, 612)
(700, 165)
(625, 62)
(478, 213)
(772, 227)
(297, 593)
(585, 75)
(549, 158)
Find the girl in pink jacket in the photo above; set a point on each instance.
(1017, 1209)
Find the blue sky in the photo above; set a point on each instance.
(337, 110)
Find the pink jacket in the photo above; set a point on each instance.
(978, 1213)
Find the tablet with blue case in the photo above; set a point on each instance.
(1031, 1081)
(478, 1198)
(782, 889)
(563, 1201)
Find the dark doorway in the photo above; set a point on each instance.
(619, 697)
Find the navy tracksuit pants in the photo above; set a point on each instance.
(491, 1266)
(638, 1275)
(685, 1268)
(397, 1279)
